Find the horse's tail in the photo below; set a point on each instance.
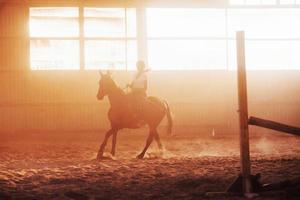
(169, 117)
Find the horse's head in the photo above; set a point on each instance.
(106, 84)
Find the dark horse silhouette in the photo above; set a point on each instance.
(121, 114)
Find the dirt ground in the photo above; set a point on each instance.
(188, 167)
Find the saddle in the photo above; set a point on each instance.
(136, 107)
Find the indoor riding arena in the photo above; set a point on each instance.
(149, 99)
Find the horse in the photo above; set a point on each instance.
(122, 116)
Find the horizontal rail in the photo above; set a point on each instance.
(274, 125)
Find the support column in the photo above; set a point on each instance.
(141, 33)
(81, 36)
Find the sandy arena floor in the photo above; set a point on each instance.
(187, 168)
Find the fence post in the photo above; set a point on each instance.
(243, 113)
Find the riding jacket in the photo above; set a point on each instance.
(139, 82)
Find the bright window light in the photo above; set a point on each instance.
(110, 38)
(186, 38)
(269, 2)
(287, 2)
(237, 2)
(272, 37)
(48, 54)
(107, 54)
(187, 54)
(54, 22)
(54, 38)
(253, 2)
(268, 55)
(109, 22)
(177, 38)
(164, 22)
(265, 23)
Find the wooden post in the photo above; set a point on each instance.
(243, 112)
(245, 183)
(274, 125)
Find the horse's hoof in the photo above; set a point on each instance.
(100, 157)
(140, 156)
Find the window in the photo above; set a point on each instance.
(253, 2)
(269, 23)
(287, 2)
(264, 2)
(48, 54)
(109, 38)
(73, 38)
(187, 54)
(186, 38)
(237, 2)
(54, 38)
(272, 37)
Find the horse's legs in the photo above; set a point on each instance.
(102, 147)
(157, 139)
(148, 142)
(114, 141)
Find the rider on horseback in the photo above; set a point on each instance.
(139, 87)
(140, 83)
(121, 115)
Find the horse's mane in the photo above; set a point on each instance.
(118, 87)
